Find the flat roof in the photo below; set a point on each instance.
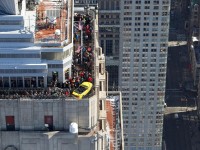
(83, 67)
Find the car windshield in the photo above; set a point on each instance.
(80, 89)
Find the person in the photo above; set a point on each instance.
(90, 79)
(67, 93)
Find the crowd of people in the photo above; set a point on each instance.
(83, 58)
(82, 67)
(43, 93)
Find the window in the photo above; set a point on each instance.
(48, 122)
(147, 2)
(146, 13)
(155, 13)
(102, 44)
(117, 46)
(138, 2)
(109, 47)
(156, 7)
(137, 7)
(137, 13)
(107, 5)
(16, 40)
(117, 5)
(10, 123)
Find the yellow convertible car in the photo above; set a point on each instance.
(82, 90)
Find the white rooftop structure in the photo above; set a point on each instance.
(9, 7)
(31, 42)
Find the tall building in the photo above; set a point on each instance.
(109, 36)
(50, 57)
(142, 75)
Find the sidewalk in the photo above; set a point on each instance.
(195, 138)
(194, 135)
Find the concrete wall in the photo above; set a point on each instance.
(45, 141)
(29, 113)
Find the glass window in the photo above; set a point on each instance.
(109, 47)
(27, 81)
(102, 45)
(6, 81)
(19, 82)
(10, 123)
(1, 82)
(13, 81)
(40, 81)
(48, 121)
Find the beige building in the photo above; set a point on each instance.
(115, 120)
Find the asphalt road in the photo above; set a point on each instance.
(176, 64)
(177, 131)
(179, 98)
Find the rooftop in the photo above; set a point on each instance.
(8, 7)
(50, 22)
(83, 55)
(114, 120)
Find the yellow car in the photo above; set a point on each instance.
(82, 90)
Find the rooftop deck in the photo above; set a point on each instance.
(82, 68)
(50, 22)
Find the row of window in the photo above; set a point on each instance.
(56, 55)
(20, 55)
(10, 123)
(109, 22)
(109, 29)
(111, 47)
(110, 35)
(11, 22)
(145, 2)
(145, 7)
(148, 2)
(126, 44)
(109, 5)
(16, 40)
(21, 81)
(154, 7)
(124, 74)
(2, 71)
(137, 50)
(114, 16)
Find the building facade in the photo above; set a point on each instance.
(36, 46)
(115, 120)
(143, 57)
(109, 27)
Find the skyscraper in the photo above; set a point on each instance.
(109, 36)
(142, 71)
(52, 77)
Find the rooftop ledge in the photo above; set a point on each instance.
(50, 94)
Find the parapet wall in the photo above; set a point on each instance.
(29, 114)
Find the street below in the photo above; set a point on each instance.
(180, 119)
